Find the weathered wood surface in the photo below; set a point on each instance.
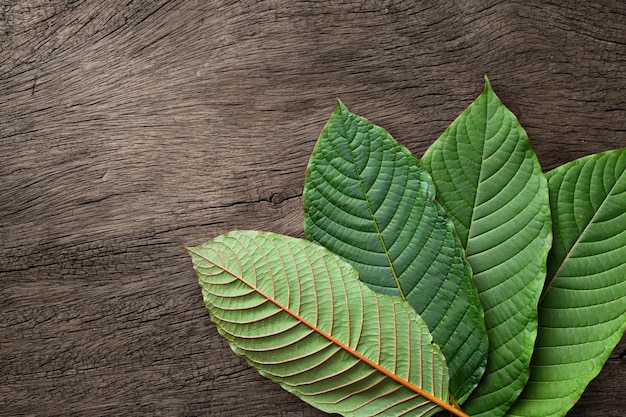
(130, 129)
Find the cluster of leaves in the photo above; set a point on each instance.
(469, 281)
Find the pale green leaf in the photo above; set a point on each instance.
(300, 316)
(368, 199)
(490, 183)
(582, 312)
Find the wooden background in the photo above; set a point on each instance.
(131, 128)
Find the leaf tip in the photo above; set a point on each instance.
(487, 83)
(340, 106)
(191, 250)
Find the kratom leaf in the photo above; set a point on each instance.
(490, 183)
(367, 199)
(300, 316)
(582, 311)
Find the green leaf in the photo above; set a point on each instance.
(367, 199)
(582, 312)
(490, 183)
(301, 317)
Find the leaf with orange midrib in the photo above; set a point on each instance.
(301, 317)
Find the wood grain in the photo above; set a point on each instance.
(132, 128)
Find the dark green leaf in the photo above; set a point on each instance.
(367, 199)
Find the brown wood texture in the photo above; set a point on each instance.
(132, 128)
